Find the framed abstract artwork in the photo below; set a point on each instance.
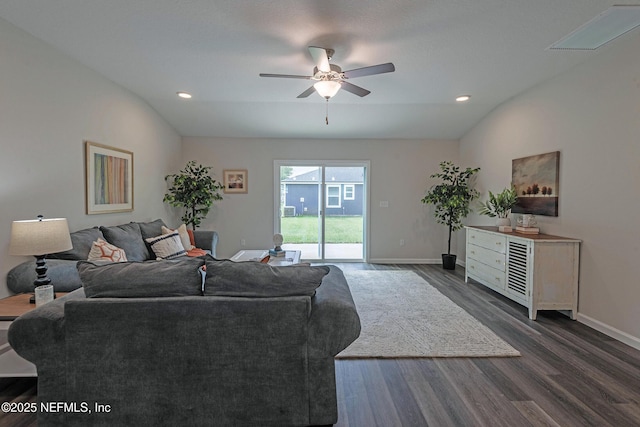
(108, 179)
(235, 180)
(536, 179)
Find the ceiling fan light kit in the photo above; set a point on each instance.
(327, 88)
(330, 78)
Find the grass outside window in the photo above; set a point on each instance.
(338, 229)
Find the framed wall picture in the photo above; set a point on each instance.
(235, 180)
(108, 179)
(536, 179)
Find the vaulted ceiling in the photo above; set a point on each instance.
(215, 49)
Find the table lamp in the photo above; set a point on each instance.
(40, 237)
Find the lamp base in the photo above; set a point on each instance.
(32, 300)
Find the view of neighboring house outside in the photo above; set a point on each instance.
(344, 192)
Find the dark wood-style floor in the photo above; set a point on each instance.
(568, 375)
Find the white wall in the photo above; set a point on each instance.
(399, 174)
(49, 104)
(591, 114)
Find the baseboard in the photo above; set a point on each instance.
(619, 335)
(404, 261)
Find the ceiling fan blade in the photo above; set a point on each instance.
(285, 76)
(307, 92)
(369, 71)
(356, 90)
(320, 57)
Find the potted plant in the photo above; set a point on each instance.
(193, 189)
(452, 199)
(499, 205)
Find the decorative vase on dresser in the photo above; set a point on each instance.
(538, 271)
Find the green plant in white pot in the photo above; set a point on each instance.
(452, 198)
(499, 206)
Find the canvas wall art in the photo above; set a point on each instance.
(108, 179)
(536, 179)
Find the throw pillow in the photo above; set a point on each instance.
(147, 279)
(82, 241)
(184, 236)
(167, 246)
(129, 238)
(104, 251)
(255, 279)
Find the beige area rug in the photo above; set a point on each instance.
(403, 316)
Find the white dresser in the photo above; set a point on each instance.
(538, 271)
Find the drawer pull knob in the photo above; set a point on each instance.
(498, 243)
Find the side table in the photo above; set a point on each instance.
(12, 365)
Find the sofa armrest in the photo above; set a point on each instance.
(38, 335)
(63, 274)
(334, 321)
(206, 239)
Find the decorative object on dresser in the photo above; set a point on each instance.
(526, 225)
(452, 199)
(536, 179)
(538, 271)
(109, 179)
(193, 189)
(499, 205)
(39, 238)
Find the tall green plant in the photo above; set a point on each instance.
(452, 197)
(194, 190)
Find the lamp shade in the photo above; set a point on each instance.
(327, 88)
(40, 237)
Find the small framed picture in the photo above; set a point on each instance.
(235, 180)
(108, 179)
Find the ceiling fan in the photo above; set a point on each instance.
(330, 78)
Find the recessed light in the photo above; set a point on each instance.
(463, 98)
(184, 95)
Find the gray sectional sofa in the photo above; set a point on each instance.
(130, 237)
(173, 343)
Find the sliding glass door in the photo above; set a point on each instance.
(321, 208)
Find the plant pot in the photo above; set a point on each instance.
(503, 222)
(448, 262)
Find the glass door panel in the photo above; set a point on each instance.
(322, 210)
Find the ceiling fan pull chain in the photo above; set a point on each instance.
(326, 119)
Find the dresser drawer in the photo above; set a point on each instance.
(489, 276)
(489, 257)
(492, 241)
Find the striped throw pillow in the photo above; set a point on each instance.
(167, 246)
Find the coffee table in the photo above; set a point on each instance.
(289, 258)
(12, 365)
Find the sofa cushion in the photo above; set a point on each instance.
(167, 246)
(82, 241)
(151, 229)
(105, 251)
(129, 238)
(255, 279)
(167, 278)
